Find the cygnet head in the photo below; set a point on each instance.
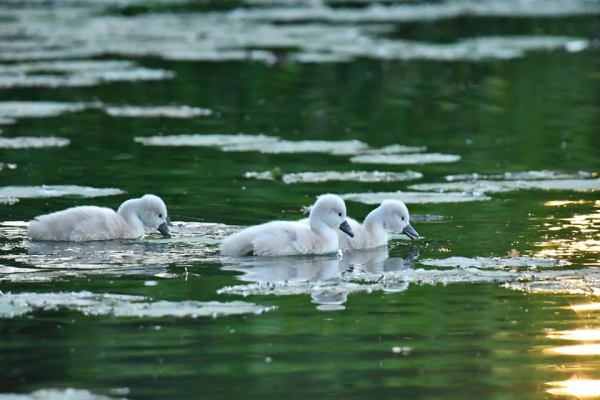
(331, 209)
(153, 213)
(396, 218)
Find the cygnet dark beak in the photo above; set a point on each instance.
(164, 229)
(344, 227)
(410, 232)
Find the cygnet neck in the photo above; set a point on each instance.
(375, 220)
(316, 224)
(128, 211)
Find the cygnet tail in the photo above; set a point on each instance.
(36, 230)
(237, 244)
(49, 227)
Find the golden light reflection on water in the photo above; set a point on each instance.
(575, 350)
(586, 307)
(578, 334)
(560, 203)
(585, 226)
(576, 387)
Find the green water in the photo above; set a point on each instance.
(454, 341)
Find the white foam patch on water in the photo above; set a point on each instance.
(118, 305)
(494, 262)
(56, 191)
(536, 275)
(152, 256)
(330, 280)
(65, 66)
(261, 143)
(318, 58)
(523, 175)
(76, 73)
(7, 166)
(405, 159)
(8, 200)
(158, 111)
(356, 176)
(396, 149)
(204, 140)
(413, 197)
(26, 142)
(342, 147)
(256, 34)
(57, 394)
(483, 186)
(298, 11)
(584, 281)
(7, 121)
(276, 145)
(476, 49)
(36, 109)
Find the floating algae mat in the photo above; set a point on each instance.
(77, 73)
(363, 280)
(159, 111)
(523, 175)
(13, 110)
(275, 145)
(495, 262)
(56, 191)
(485, 186)
(417, 11)
(154, 256)
(357, 176)
(14, 305)
(28, 142)
(303, 146)
(329, 281)
(261, 143)
(215, 140)
(333, 34)
(8, 200)
(413, 197)
(583, 281)
(424, 158)
(58, 394)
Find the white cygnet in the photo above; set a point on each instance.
(87, 223)
(391, 215)
(286, 238)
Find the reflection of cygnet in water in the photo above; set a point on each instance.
(122, 257)
(329, 301)
(287, 238)
(376, 261)
(369, 260)
(391, 215)
(88, 223)
(290, 269)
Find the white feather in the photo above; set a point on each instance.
(86, 223)
(285, 238)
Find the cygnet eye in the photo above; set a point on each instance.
(402, 218)
(340, 214)
(160, 216)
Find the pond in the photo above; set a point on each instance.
(483, 117)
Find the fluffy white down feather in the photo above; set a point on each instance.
(285, 238)
(87, 223)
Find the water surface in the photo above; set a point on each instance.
(491, 91)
